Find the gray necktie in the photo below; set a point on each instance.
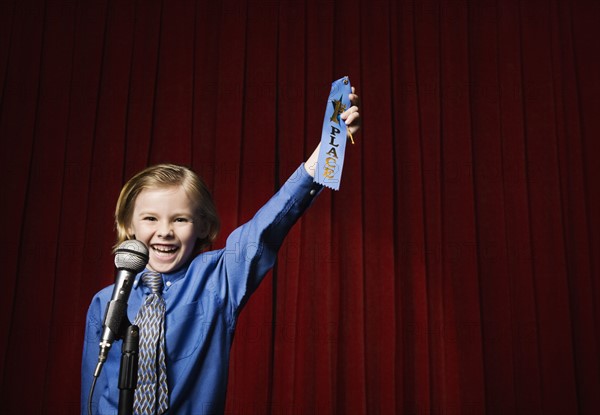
(152, 394)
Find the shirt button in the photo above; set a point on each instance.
(312, 192)
(169, 283)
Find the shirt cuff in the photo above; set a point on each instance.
(302, 186)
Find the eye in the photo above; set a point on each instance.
(182, 220)
(149, 218)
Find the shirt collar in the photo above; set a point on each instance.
(168, 279)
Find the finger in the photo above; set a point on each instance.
(349, 111)
(353, 119)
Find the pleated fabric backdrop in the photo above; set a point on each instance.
(457, 270)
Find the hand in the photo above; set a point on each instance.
(352, 116)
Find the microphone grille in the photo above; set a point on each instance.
(131, 255)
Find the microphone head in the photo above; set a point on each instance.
(131, 255)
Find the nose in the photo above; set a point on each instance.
(165, 230)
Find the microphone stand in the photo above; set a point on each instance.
(128, 371)
(130, 258)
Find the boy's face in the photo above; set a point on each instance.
(163, 219)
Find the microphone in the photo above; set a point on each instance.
(131, 257)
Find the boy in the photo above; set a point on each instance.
(169, 209)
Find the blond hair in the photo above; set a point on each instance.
(167, 175)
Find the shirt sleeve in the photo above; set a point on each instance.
(251, 249)
(103, 402)
(93, 326)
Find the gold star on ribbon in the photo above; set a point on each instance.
(338, 109)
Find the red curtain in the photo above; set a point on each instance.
(453, 273)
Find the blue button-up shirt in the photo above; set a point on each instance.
(203, 302)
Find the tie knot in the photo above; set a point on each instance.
(153, 280)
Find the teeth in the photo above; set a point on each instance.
(165, 249)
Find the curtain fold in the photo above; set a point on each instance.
(455, 272)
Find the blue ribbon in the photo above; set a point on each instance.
(333, 136)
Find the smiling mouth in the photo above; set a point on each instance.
(164, 249)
